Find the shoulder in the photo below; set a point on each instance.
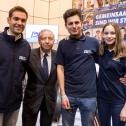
(34, 53)
(92, 39)
(25, 42)
(35, 50)
(1, 36)
(53, 51)
(61, 42)
(64, 42)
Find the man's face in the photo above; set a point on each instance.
(74, 26)
(46, 41)
(123, 32)
(17, 22)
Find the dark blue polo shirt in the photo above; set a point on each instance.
(109, 86)
(77, 57)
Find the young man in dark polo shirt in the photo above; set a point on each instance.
(76, 71)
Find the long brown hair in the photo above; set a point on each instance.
(119, 47)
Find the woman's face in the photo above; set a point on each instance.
(109, 35)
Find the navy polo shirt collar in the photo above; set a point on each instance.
(82, 37)
(11, 38)
(108, 51)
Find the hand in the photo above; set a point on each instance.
(123, 79)
(65, 102)
(123, 114)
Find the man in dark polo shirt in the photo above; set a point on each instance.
(75, 61)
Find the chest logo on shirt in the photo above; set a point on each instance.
(22, 58)
(87, 52)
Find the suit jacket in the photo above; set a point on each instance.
(37, 86)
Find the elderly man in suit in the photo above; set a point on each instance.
(40, 93)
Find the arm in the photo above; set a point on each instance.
(60, 73)
(123, 79)
(123, 113)
(64, 100)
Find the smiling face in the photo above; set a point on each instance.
(17, 22)
(109, 36)
(74, 26)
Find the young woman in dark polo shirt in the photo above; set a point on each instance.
(111, 91)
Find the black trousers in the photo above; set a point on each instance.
(29, 118)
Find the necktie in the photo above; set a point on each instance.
(45, 66)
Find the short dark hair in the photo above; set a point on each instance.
(17, 8)
(72, 12)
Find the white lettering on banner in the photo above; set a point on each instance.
(122, 20)
(101, 22)
(114, 20)
(111, 15)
